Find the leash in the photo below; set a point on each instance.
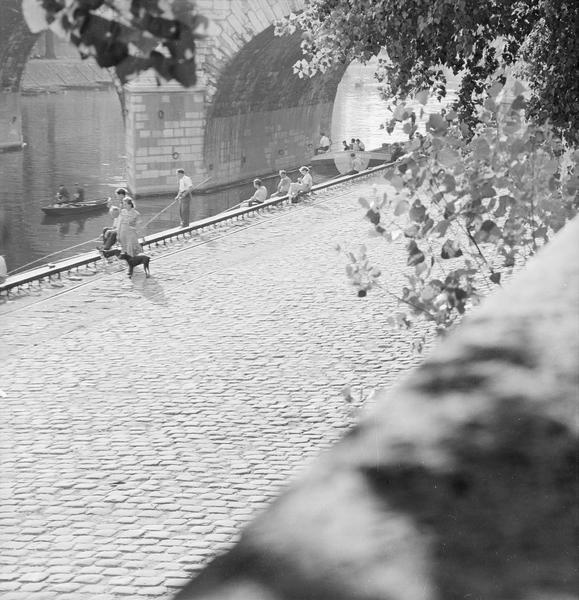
(22, 267)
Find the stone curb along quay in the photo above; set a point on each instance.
(89, 258)
(461, 484)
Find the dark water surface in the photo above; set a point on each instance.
(78, 136)
(74, 137)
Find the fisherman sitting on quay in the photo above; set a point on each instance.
(260, 194)
(302, 186)
(110, 234)
(283, 186)
(324, 145)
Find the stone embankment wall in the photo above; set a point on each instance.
(462, 482)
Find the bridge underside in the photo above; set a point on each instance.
(260, 118)
(276, 116)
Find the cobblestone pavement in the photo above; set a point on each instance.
(144, 422)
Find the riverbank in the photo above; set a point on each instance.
(53, 76)
(146, 421)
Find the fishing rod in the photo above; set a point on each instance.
(92, 241)
(176, 200)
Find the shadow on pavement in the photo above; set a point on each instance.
(150, 289)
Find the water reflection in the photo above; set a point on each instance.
(359, 111)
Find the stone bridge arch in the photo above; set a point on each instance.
(248, 115)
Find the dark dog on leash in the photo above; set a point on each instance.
(133, 261)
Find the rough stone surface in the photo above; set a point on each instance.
(144, 422)
(462, 483)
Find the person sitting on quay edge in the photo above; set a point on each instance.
(361, 145)
(397, 151)
(110, 234)
(62, 195)
(302, 186)
(357, 163)
(283, 186)
(78, 195)
(260, 194)
(324, 145)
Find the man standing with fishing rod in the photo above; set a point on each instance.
(184, 196)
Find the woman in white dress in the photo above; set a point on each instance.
(127, 228)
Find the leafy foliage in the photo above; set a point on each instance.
(471, 209)
(129, 35)
(478, 39)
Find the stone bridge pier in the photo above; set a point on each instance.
(16, 42)
(248, 115)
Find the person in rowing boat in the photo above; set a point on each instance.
(78, 195)
(260, 194)
(361, 145)
(62, 196)
(346, 146)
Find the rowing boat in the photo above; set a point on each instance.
(70, 208)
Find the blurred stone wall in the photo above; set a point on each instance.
(462, 482)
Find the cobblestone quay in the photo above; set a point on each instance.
(144, 422)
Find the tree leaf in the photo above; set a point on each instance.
(450, 249)
(373, 216)
(441, 228)
(411, 231)
(418, 212)
(422, 96)
(488, 232)
(397, 182)
(447, 157)
(401, 208)
(436, 123)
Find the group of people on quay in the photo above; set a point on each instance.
(355, 145)
(325, 143)
(293, 189)
(124, 226)
(63, 196)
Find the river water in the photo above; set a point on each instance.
(78, 136)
